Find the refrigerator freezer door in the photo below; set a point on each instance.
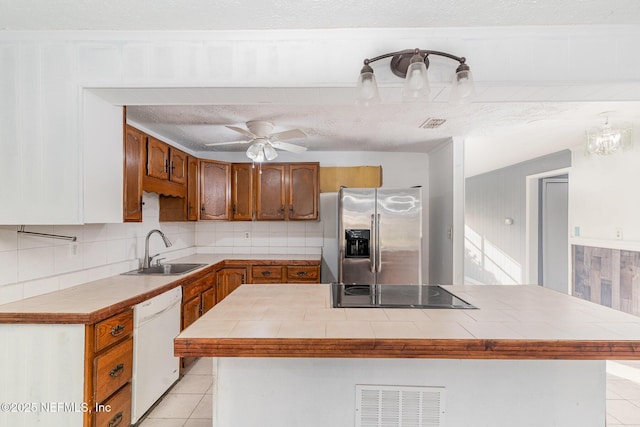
(399, 233)
(356, 212)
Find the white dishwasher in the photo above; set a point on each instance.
(155, 368)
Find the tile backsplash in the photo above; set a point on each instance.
(31, 265)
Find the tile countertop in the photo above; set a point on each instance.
(94, 301)
(511, 322)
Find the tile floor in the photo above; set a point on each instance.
(189, 402)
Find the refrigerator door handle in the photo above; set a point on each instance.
(372, 254)
(379, 252)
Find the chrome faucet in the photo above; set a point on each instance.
(146, 263)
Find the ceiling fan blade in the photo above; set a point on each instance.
(288, 134)
(288, 147)
(227, 142)
(243, 131)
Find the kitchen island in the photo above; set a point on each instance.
(527, 356)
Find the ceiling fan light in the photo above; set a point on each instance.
(416, 82)
(368, 93)
(269, 152)
(256, 153)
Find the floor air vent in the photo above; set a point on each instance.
(399, 406)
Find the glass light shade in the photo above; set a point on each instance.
(269, 152)
(367, 89)
(256, 152)
(463, 89)
(606, 140)
(416, 82)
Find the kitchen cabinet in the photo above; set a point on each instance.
(287, 191)
(166, 169)
(108, 370)
(303, 274)
(228, 279)
(242, 191)
(133, 170)
(192, 188)
(271, 192)
(215, 190)
(198, 297)
(282, 272)
(268, 274)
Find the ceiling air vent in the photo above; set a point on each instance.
(401, 406)
(432, 123)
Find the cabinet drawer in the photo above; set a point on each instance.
(303, 273)
(116, 411)
(267, 274)
(113, 329)
(193, 289)
(113, 369)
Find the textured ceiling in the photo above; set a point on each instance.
(497, 130)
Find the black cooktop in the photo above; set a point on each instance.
(394, 296)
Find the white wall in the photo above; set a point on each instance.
(603, 197)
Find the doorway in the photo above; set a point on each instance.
(553, 229)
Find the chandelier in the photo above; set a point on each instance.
(607, 140)
(412, 65)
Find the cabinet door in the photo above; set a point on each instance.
(229, 279)
(242, 191)
(215, 178)
(303, 191)
(190, 311)
(178, 166)
(208, 299)
(192, 189)
(157, 158)
(133, 167)
(270, 189)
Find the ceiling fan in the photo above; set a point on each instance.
(263, 142)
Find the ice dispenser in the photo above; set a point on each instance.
(357, 243)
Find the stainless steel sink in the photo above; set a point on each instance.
(166, 269)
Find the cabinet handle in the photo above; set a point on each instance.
(202, 208)
(166, 165)
(117, 330)
(117, 371)
(173, 167)
(235, 209)
(290, 208)
(116, 420)
(242, 279)
(282, 208)
(141, 203)
(301, 273)
(266, 273)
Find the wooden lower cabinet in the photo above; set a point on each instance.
(285, 273)
(108, 371)
(228, 279)
(197, 298)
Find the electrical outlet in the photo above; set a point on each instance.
(247, 235)
(73, 249)
(618, 233)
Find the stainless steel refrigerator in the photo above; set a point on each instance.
(380, 235)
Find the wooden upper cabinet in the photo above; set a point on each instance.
(192, 188)
(303, 191)
(157, 158)
(133, 171)
(177, 166)
(242, 191)
(214, 190)
(271, 189)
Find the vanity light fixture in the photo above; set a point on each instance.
(412, 65)
(607, 140)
